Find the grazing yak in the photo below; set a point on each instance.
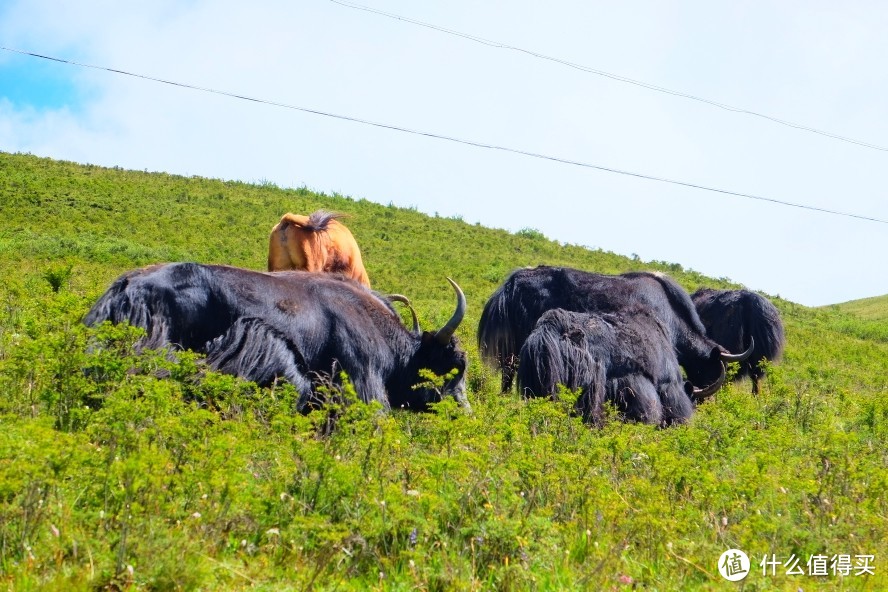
(318, 242)
(303, 327)
(624, 357)
(732, 317)
(514, 308)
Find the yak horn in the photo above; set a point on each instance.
(739, 357)
(702, 394)
(444, 334)
(404, 300)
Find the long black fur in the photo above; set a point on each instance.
(624, 357)
(731, 317)
(514, 308)
(292, 325)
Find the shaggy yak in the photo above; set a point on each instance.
(733, 317)
(299, 326)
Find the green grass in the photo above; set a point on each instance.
(145, 473)
(871, 309)
(866, 318)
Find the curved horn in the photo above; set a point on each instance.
(739, 357)
(702, 394)
(444, 334)
(404, 300)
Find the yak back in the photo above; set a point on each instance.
(512, 311)
(307, 322)
(318, 242)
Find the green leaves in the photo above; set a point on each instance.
(148, 471)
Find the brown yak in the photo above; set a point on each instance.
(318, 242)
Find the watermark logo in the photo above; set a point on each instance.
(821, 564)
(733, 565)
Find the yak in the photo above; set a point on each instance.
(512, 311)
(732, 317)
(299, 326)
(318, 242)
(624, 357)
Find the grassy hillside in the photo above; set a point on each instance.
(146, 473)
(871, 309)
(866, 318)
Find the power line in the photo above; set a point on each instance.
(617, 77)
(450, 138)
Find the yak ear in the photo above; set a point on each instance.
(689, 389)
(716, 353)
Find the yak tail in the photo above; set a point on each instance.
(118, 306)
(498, 342)
(255, 351)
(763, 324)
(319, 220)
(310, 253)
(313, 250)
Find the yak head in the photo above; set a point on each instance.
(710, 371)
(437, 367)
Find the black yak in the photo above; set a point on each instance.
(624, 357)
(732, 317)
(514, 308)
(300, 326)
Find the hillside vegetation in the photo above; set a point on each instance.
(872, 309)
(123, 472)
(866, 318)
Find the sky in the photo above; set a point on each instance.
(813, 63)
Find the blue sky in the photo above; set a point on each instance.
(37, 84)
(816, 63)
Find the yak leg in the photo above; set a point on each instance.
(508, 367)
(676, 401)
(591, 400)
(637, 398)
(372, 388)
